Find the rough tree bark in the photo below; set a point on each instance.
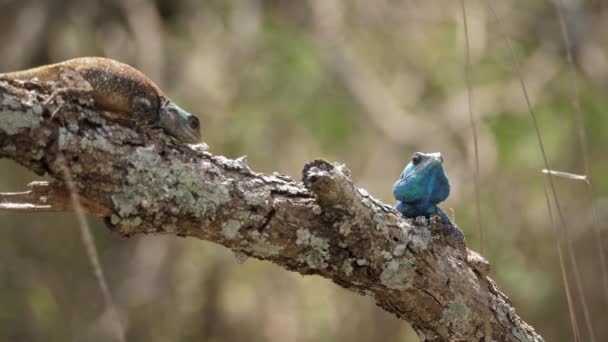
(148, 183)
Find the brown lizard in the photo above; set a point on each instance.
(121, 89)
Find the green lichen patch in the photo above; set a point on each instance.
(317, 210)
(115, 219)
(230, 229)
(397, 274)
(362, 262)
(505, 315)
(420, 237)
(256, 197)
(380, 220)
(303, 237)
(133, 221)
(457, 314)
(13, 121)
(345, 228)
(264, 249)
(257, 245)
(10, 101)
(159, 183)
(64, 138)
(98, 143)
(317, 254)
(386, 255)
(347, 267)
(399, 250)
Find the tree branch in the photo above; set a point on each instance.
(323, 225)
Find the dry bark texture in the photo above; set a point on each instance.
(323, 225)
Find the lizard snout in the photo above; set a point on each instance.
(179, 123)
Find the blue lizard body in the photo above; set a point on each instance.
(422, 185)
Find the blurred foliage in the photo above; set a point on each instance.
(268, 81)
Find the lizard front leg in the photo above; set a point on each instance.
(74, 85)
(455, 238)
(453, 234)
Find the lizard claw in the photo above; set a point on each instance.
(58, 95)
(54, 113)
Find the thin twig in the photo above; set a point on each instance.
(89, 244)
(567, 175)
(562, 266)
(48, 197)
(562, 220)
(582, 137)
(467, 73)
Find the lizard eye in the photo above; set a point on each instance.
(416, 158)
(193, 122)
(142, 105)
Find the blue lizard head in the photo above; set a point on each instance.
(179, 123)
(423, 182)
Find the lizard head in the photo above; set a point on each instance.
(423, 182)
(179, 123)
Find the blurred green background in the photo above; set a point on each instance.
(361, 82)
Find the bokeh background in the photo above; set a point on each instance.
(361, 82)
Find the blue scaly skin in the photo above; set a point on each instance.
(422, 185)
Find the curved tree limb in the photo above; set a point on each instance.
(323, 225)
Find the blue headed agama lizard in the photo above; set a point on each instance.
(422, 185)
(121, 89)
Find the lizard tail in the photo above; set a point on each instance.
(43, 73)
